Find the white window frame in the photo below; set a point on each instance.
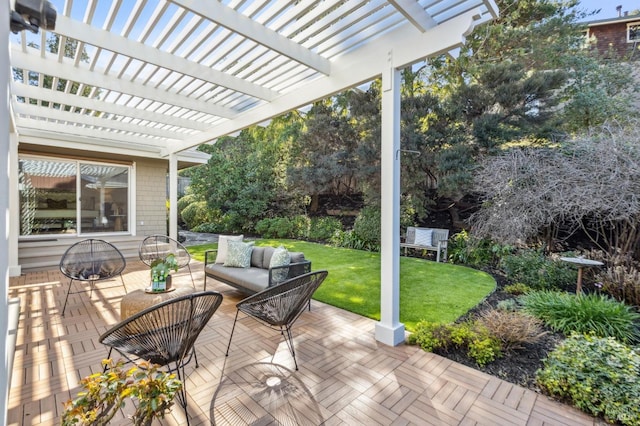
(629, 26)
(131, 195)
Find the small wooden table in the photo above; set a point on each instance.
(581, 262)
(139, 300)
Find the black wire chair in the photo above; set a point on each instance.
(91, 260)
(278, 307)
(159, 246)
(165, 334)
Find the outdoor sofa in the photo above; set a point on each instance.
(259, 272)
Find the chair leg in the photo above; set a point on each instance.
(182, 395)
(232, 330)
(123, 284)
(104, 369)
(67, 297)
(193, 283)
(288, 337)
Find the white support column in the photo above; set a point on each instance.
(14, 203)
(173, 196)
(389, 330)
(4, 208)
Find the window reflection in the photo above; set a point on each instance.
(50, 202)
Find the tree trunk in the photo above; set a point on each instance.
(314, 203)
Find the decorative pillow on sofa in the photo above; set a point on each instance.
(222, 246)
(280, 257)
(238, 254)
(424, 237)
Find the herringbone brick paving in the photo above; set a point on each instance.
(346, 377)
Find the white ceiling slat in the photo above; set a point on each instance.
(133, 17)
(236, 22)
(111, 15)
(168, 28)
(61, 98)
(70, 72)
(123, 46)
(186, 32)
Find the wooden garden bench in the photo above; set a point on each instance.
(431, 239)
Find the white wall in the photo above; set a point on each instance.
(4, 207)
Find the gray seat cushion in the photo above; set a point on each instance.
(253, 279)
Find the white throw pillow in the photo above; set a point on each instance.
(424, 237)
(223, 248)
(280, 257)
(239, 254)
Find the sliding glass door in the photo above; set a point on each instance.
(72, 197)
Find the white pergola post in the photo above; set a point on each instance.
(389, 330)
(173, 196)
(4, 208)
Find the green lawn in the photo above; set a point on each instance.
(431, 291)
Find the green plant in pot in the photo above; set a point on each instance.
(161, 272)
(105, 393)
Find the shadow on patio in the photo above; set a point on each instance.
(345, 376)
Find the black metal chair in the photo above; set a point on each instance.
(91, 260)
(280, 306)
(159, 246)
(165, 334)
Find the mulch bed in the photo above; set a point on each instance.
(517, 366)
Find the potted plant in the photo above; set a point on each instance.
(105, 393)
(160, 272)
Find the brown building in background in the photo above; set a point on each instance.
(616, 38)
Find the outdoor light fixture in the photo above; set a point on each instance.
(32, 15)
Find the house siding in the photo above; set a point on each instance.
(611, 40)
(151, 218)
(151, 196)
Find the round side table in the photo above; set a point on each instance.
(139, 300)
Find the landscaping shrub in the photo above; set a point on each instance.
(598, 375)
(467, 250)
(593, 313)
(187, 199)
(367, 228)
(284, 227)
(366, 239)
(517, 289)
(512, 328)
(480, 344)
(323, 228)
(349, 239)
(195, 214)
(535, 270)
(622, 282)
(508, 305)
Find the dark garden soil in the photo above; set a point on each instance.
(517, 366)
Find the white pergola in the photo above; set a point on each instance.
(156, 78)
